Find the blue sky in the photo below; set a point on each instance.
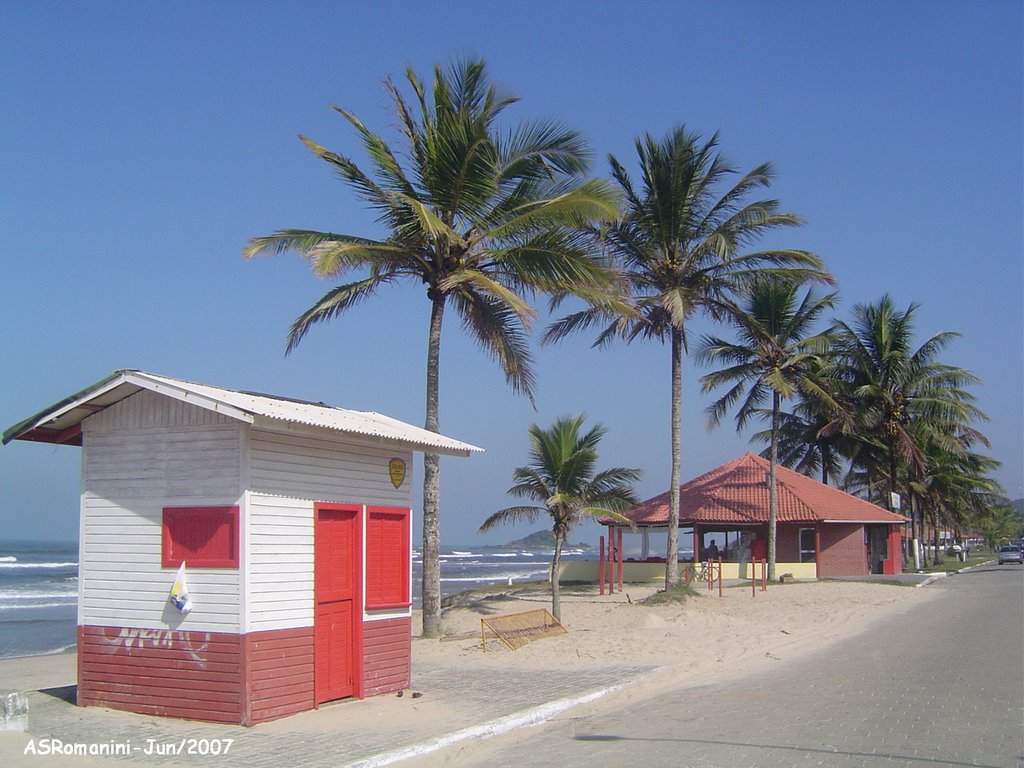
(144, 143)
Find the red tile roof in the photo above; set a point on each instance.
(737, 492)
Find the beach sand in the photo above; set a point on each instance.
(703, 639)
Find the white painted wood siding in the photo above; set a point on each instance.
(324, 466)
(149, 409)
(289, 470)
(280, 575)
(139, 456)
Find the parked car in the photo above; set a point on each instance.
(1011, 554)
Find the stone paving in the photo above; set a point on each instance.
(462, 698)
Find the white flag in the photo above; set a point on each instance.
(179, 592)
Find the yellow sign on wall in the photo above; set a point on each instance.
(396, 469)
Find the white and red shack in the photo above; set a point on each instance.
(294, 522)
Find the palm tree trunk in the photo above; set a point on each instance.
(936, 539)
(672, 552)
(773, 498)
(919, 515)
(556, 592)
(432, 482)
(913, 555)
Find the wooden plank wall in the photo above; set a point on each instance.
(324, 467)
(280, 665)
(216, 677)
(141, 455)
(387, 655)
(280, 574)
(194, 675)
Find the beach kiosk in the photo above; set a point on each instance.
(821, 532)
(292, 520)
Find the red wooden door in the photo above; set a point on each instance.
(337, 617)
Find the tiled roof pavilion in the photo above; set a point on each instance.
(737, 493)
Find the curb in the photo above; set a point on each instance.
(933, 578)
(937, 576)
(496, 727)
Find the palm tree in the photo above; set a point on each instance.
(904, 397)
(680, 247)
(815, 435)
(776, 357)
(954, 488)
(1001, 523)
(481, 217)
(562, 476)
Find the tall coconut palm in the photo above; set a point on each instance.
(904, 397)
(816, 434)
(681, 247)
(481, 216)
(562, 476)
(776, 356)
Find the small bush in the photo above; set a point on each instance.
(678, 594)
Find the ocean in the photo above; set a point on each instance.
(39, 586)
(38, 597)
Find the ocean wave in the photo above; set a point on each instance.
(29, 606)
(493, 577)
(8, 559)
(502, 564)
(8, 607)
(33, 594)
(37, 565)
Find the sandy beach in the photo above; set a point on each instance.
(701, 640)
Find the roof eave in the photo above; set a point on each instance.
(33, 429)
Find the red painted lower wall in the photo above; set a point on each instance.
(195, 675)
(387, 655)
(280, 673)
(225, 678)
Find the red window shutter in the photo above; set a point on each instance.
(202, 537)
(388, 556)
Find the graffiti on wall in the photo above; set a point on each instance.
(194, 644)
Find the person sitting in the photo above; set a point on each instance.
(711, 553)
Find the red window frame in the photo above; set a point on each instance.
(393, 557)
(196, 535)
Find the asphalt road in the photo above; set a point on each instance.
(939, 685)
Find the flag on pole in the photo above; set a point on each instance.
(179, 592)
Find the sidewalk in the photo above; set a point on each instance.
(455, 704)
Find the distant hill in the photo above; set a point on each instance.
(540, 539)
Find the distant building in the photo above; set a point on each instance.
(820, 532)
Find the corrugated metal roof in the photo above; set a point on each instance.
(737, 493)
(60, 423)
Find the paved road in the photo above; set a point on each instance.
(939, 685)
